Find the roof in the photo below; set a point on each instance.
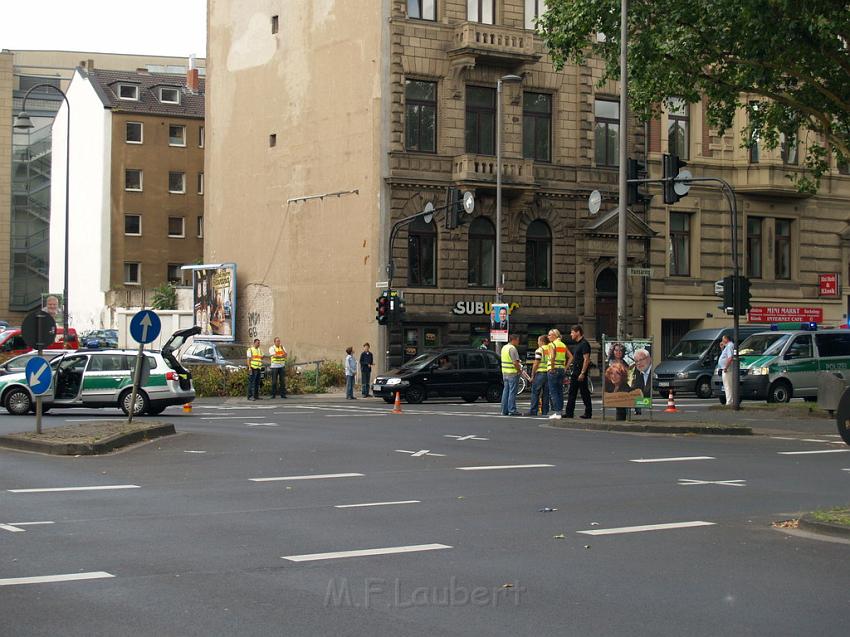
(106, 84)
(607, 225)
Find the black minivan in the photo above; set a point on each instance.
(465, 372)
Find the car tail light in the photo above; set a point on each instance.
(171, 376)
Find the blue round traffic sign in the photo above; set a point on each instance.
(39, 375)
(145, 326)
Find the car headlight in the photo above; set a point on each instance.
(393, 381)
(682, 375)
(760, 371)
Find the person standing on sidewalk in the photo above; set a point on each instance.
(350, 366)
(511, 368)
(366, 362)
(540, 377)
(578, 373)
(724, 363)
(277, 355)
(556, 373)
(255, 368)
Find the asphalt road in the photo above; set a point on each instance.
(245, 523)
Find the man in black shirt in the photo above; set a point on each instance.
(366, 362)
(580, 350)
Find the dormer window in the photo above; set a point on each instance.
(169, 95)
(128, 92)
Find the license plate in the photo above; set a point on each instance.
(663, 384)
(377, 387)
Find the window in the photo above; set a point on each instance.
(480, 120)
(133, 225)
(754, 243)
(755, 153)
(537, 126)
(174, 274)
(133, 179)
(538, 256)
(801, 347)
(128, 92)
(176, 182)
(422, 9)
(422, 254)
(132, 273)
(782, 249)
(176, 135)
(275, 24)
(177, 227)
(169, 95)
(481, 11)
(26, 82)
(533, 10)
(201, 137)
(272, 140)
(680, 244)
(200, 183)
(133, 132)
(420, 116)
(678, 127)
(482, 253)
(606, 132)
(788, 149)
(200, 227)
(833, 344)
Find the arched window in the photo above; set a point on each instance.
(538, 256)
(421, 254)
(482, 253)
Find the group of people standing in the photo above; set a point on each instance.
(277, 369)
(367, 361)
(553, 360)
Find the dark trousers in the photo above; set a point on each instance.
(278, 376)
(577, 386)
(365, 376)
(539, 390)
(254, 383)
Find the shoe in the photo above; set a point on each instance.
(257, 398)
(555, 417)
(637, 411)
(515, 413)
(250, 398)
(528, 413)
(586, 416)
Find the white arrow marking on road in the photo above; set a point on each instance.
(45, 579)
(145, 323)
(460, 438)
(647, 527)
(803, 453)
(35, 378)
(420, 453)
(681, 459)
(728, 483)
(364, 552)
(12, 527)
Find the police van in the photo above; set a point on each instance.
(782, 364)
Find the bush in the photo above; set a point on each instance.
(211, 380)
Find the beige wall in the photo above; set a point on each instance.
(6, 59)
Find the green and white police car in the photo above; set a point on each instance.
(104, 378)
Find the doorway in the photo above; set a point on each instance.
(606, 303)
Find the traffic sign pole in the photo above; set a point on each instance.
(38, 409)
(136, 382)
(144, 328)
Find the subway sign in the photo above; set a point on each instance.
(477, 308)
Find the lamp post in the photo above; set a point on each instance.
(23, 122)
(512, 79)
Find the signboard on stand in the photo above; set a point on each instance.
(627, 379)
(499, 323)
(214, 300)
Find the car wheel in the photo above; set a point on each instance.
(18, 402)
(493, 394)
(388, 399)
(703, 387)
(156, 410)
(141, 406)
(470, 398)
(779, 392)
(415, 394)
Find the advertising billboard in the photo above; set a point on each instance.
(499, 322)
(54, 304)
(214, 300)
(627, 379)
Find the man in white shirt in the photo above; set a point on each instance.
(727, 351)
(277, 368)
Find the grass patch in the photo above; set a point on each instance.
(836, 515)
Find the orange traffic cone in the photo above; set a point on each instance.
(671, 404)
(187, 407)
(397, 406)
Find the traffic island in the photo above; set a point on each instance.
(655, 427)
(86, 439)
(835, 521)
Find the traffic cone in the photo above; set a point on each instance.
(187, 408)
(397, 406)
(671, 404)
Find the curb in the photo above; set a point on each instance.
(88, 449)
(827, 528)
(718, 430)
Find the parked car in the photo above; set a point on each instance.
(104, 378)
(465, 372)
(100, 338)
(231, 356)
(12, 341)
(18, 364)
(690, 365)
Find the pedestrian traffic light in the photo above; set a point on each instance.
(672, 165)
(382, 309)
(635, 170)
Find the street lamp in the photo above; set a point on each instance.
(513, 79)
(23, 122)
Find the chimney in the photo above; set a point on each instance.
(192, 82)
(87, 64)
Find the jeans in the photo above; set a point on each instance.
(349, 386)
(278, 374)
(509, 393)
(555, 379)
(254, 383)
(539, 389)
(577, 385)
(365, 376)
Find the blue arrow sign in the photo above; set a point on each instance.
(38, 375)
(145, 326)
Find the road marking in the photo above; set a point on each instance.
(375, 504)
(803, 453)
(680, 459)
(781, 437)
(390, 550)
(234, 416)
(727, 483)
(56, 489)
(193, 451)
(46, 579)
(354, 415)
(647, 527)
(12, 527)
(506, 466)
(86, 419)
(462, 438)
(261, 424)
(420, 453)
(310, 477)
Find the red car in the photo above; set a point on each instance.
(12, 342)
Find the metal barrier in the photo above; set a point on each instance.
(318, 365)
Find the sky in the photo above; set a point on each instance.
(151, 27)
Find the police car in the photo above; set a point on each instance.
(104, 378)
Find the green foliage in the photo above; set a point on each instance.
(786, 62)
(211, 380)
(164, 297)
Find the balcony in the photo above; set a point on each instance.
(767, 180)
(480, 170)
(492, 44)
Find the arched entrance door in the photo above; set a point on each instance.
(606, 303)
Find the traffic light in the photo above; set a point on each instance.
(382, 309)
(744, 292)
(728, 292)
(456, 214)
(635, 170)
(672, 165)
(744, 295)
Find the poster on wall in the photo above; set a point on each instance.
(499, 323)
(627, 379)
(214, 300)
(54, 304)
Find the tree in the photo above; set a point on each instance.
(164, 297)
(785, 61)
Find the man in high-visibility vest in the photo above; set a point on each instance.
(557, 370)
(255, 368)
(511, 367)
(540, 378)
(277, 368)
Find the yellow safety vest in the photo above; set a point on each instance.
(543, 366)
(256, 358)
(279, 356)
(560, 359)
(508, 366)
